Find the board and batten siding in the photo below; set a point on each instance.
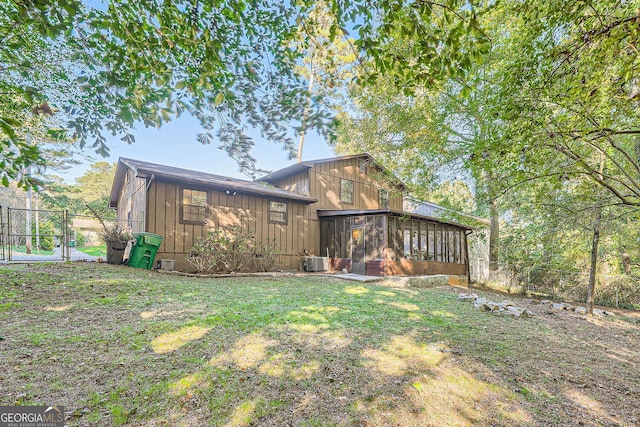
(298, 183)
(225, 212)
(324, 185)
(132, 203)
(322, 182)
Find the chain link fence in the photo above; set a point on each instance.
(30, 235)
(85, 233)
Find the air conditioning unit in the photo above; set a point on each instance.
(316, 263)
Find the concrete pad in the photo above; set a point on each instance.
(406, 281)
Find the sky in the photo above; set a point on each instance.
(175, 144)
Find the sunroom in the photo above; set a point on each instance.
(393, 243)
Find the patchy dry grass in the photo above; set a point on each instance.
(120, 346)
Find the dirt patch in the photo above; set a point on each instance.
(586, 365)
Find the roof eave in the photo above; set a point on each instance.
(228, 186)
(116, 186)
(347, 212)
(286, 172)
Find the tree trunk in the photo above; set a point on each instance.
(305, 115)
(626, 262)
(494, 235)
(37, 213)
(594, 260)
(28, 221)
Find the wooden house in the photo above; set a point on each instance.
(346, 208)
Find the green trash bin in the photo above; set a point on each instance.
(144, 250)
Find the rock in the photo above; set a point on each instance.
(493, 306)
(545, 301)
(505, 307)
(602, 312)
(481, 306)
(515, 311)
(580, 310)
(467, 297)
(518, 312)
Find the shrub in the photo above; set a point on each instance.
(207, 254)
(81, 240)
(233, 251)
(267, 255)
(47, 231)
(116, 234)
(621, 291)
(240, 251)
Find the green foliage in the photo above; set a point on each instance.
(228, 64)
(47, 232)
(89, 194)
(404, 133)
(569, 100)
(418, 43)
(137, 62)
(233, 251)
(207, 254)
(240, 251)
(95, 184)
(116, 234)
(80, 240)
(455, 195)
(267, 255)
(547, 135)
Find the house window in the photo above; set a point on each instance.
(278, 212)
(194, 206)
(346, 191)
(383, 197)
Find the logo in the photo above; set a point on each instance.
(31, 416)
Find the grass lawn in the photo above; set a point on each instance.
(124, 346)
(100, 251)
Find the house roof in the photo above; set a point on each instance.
(324, 213)
(308, 164)
(422, 207)
(203, 179)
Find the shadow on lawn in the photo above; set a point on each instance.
(307, 369)
(122, 348)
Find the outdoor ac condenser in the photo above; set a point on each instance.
(316, 263)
